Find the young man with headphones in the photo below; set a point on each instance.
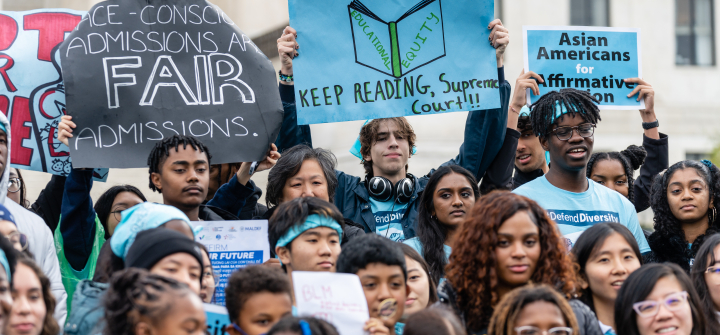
(386, 200)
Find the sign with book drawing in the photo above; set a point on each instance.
(385, 58)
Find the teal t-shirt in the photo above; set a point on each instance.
(575, 212)
(388, 215)
(417, 245)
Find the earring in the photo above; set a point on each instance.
(714, 215)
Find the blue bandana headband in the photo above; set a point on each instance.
(312, 221)
(2, 127)
(6, 265)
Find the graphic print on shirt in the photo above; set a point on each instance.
(388, 215)
(573, 223)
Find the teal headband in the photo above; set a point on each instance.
(2, 127)
(5, 263)
(312, 221)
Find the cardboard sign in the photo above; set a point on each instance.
(138, 71)
(387, 58)
(32, 94)
(337, 298)
(595, 59)
(217, 319)
(233, 245)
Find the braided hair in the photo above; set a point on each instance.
(161, 151)
(135, 293)
(542, 115)
(631, 159)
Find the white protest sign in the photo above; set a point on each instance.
(337, 298)
(233, 245)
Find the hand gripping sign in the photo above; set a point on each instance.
(139, 71)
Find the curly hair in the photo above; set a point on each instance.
(631, 159)
(509, 309)
(666, 223)
(543, 115)
(50, 325)
(430, 231)
(369, 134)
(472, 267)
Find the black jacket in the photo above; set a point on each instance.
(672, 247)
(587, 321)
(499, 174)
(211, 213)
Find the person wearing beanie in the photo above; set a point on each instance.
(146, 216)
(168, 253)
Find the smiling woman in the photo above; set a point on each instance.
(685, 201)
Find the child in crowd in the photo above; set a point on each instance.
(657, 299)
(605, 255)
(436, 320)
(389, 193)
(33, 302)
(423, 290)
(302, 326)
(565, 122)
(684, 200)
(446, 203)
(705, 275)
(305, 234)
(139, 302)
(380, 264)
(257, 297)
(533, 310)
(508, 242)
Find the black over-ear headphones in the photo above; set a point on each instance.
(381, 189)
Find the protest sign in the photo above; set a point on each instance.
(217, 319)
(337, 298)
(387, 58)
(596, 59)
(139, 71)
(233, 245)
(32, 94)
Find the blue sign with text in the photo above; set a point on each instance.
(595, 59)
(389, 58)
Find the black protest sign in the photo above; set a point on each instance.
(138, 71)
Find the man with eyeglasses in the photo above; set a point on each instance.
(565, 122)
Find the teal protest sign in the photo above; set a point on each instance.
(376, 59)
(596, 59)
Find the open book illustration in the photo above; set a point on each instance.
(415, 39)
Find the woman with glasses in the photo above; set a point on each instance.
(660, 299)
(533, 310)
(615, 169)
(16, 188)
(705, 275)
(508, 242)
(209, 279)
(684, 201)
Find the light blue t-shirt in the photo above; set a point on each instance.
(387, 219)
(575, 212)
(417, 245)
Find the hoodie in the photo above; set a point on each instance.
(40, 238)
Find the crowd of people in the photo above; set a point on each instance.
(501, 239)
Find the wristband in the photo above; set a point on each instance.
(650, 125)
(514, 110)
(285, 78)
